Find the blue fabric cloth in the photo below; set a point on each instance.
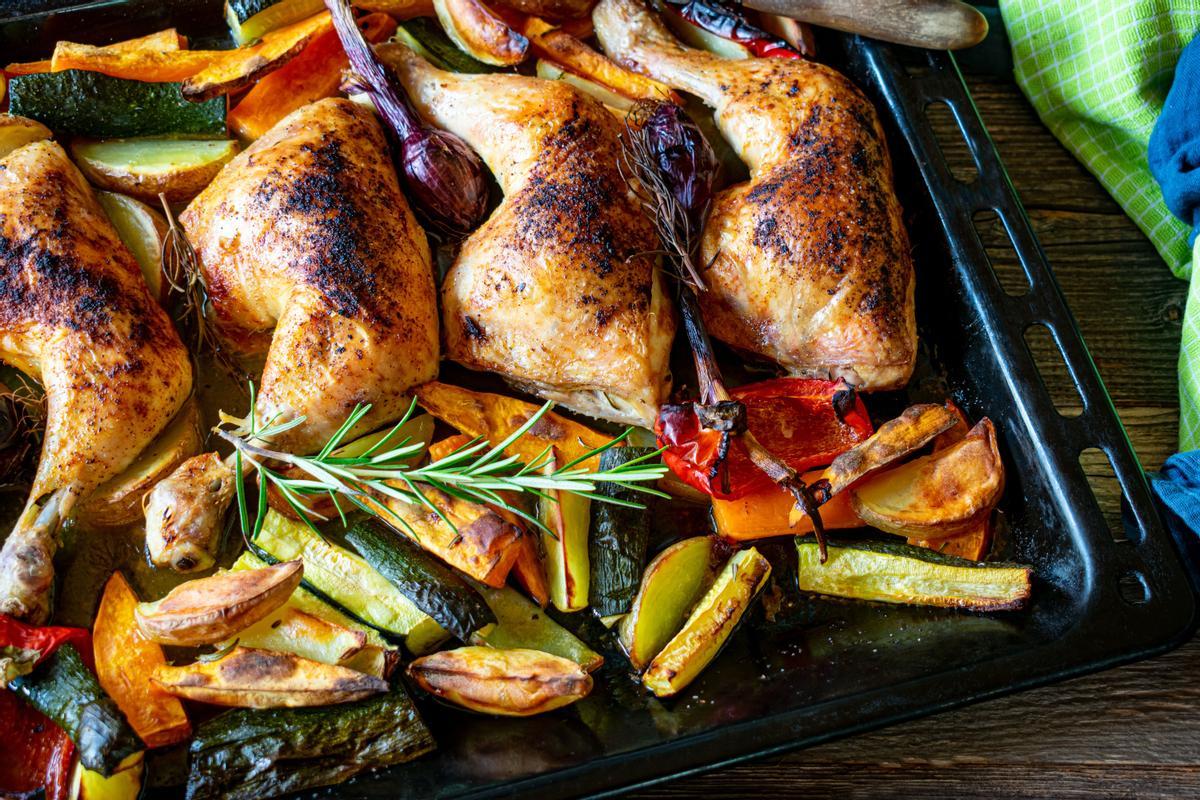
(1174, 152)
(1178, 486)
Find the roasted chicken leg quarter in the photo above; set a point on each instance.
(75, 314)
(556, 291)
(309, 250)
(810, 259)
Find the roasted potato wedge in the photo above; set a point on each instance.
(942, 494)
(118, 501)
(290, 630)
(894, 440)
(672, 583)
(207, 610)
(711, 623)
(251, 678)
(142, 230)
(145, 168)
(19, 131)
(513, 683)
(481, 34)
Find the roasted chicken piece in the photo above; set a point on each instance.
(75, 314)
(810, 259)
(557, 291)
(310, 251)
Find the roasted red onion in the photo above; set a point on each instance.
(444, 178)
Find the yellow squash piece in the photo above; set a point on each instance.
(125, 783)
(710, 625)
(514, 683)
(252, 678)
(207, 610)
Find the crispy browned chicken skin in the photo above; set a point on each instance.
(309, 248)
(556, 291)
(812, 265)
(75, 314)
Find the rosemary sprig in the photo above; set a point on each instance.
(181, 270)
(477, 472)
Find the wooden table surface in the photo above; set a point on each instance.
(1128, 732)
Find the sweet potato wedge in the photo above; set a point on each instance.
(125, 663)
(770, 513)
(894, 440)
(573, 55)
(942, 494)
(514, 683)
(164, 41)
(481, 34)
(251, 678)
(494, 417)
(207, 610)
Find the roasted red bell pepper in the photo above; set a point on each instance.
(727, 23)
(805, 422)
(37, 753)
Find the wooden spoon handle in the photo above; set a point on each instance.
(936, 24)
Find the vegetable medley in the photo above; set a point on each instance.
(451, 554)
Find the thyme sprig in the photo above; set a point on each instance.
(367, 479)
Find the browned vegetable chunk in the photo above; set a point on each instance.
(252, 678)
(515, 683)
(207, 610)
(894, 440)
(480, 33)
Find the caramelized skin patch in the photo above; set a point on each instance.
(811, 264)
(555, 291)
(307, 243)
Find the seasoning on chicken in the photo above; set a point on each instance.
(75, 314)
(558, 291)
(310, 252)
(810, 259)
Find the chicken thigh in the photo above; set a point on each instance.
(76, 315)
(810, 261)
(557, 291)
(307, 245)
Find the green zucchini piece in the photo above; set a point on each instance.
(673, 582)
(66, 691)
(124, 784)
(619, 538)
(92, 104)
(711, 623)
(522, 624)
(348, 580)
(433, 587)
(892, 572)
(425, 37)
(258, 753)
(250, 19)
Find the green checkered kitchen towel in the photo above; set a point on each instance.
(1098, 71)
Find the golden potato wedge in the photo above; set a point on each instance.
(142, 230)
(118, 501)
(942, 494)
(207, 610)
(512, 683)
(481, 34)
(290, 630)
(248, 677)
(893, 440)
(145, 168)
(19, 131)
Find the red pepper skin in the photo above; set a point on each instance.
(727, 24)
(794, 418)
(37, 753)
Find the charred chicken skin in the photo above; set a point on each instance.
(810, 261)
(309, 251)
(557, 291)
(76, 315)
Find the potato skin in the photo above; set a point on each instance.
(513, 683)
(179, 185)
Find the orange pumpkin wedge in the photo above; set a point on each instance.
(769, 513)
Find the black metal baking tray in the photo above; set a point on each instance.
(830, 669)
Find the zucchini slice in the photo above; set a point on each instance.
(620, 536)
(673, 582)
(144, 168)
(432, 586)
(523, 625)
(568, 517)
(84, 103)
(427, 39)
(891, 572)
(349, 581)
(66, 691)
(252, 753)
(710, 625)
(250, 19)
